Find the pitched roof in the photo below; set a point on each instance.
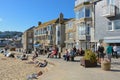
(48, 23)
(30, 28)
(71, 19)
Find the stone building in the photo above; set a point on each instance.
(51, 33)
(28, 39)
(84, 23)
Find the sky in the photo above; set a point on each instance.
(20, 15)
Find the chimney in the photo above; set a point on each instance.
(61, 18)
(39, 23)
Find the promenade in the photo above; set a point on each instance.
(57, 69)
(64, 70)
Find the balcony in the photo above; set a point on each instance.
(109, 11)
(77, 2)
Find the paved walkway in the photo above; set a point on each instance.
(73, 71)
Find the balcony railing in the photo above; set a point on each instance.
(109, 11)
(77, 2)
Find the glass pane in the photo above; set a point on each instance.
(111, 2)
(81, 29)
(117, 24)
(109, 25)
(87, 12)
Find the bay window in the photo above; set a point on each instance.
(84, 12)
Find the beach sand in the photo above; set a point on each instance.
(15, 69)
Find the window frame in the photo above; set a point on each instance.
(113, 25)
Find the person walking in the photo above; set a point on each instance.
(101, 53)
(66, 56)
(115, 51)
(109, 52)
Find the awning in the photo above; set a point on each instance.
(37, 45)
(112, 39)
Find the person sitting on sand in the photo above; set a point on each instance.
(35, 55)
(34, 75)
(10, 55)
(44, 64)
(23, 57)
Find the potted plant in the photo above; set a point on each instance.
(89, 59)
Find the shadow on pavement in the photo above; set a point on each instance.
(115, 63)
(115, 70)
(76, 61)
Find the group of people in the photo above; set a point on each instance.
(71, 53)
(38, 64)
(36, 75)
(54, 52)
(109, 52)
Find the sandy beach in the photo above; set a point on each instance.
(15, 69)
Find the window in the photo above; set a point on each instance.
(49, 37)
(30, 40)
(30, 46)
(83, 12)
(87, 12)
(70, 35)
(111, 2)
(77, 14)
(35, 32)
(80, 13)
(70, 24)
(88, 30)
(110, 26)
(81, 29)
(58, 33)
(49, 27)
(58, 42)
(116, 24)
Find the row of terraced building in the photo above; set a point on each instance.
(95, 22)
